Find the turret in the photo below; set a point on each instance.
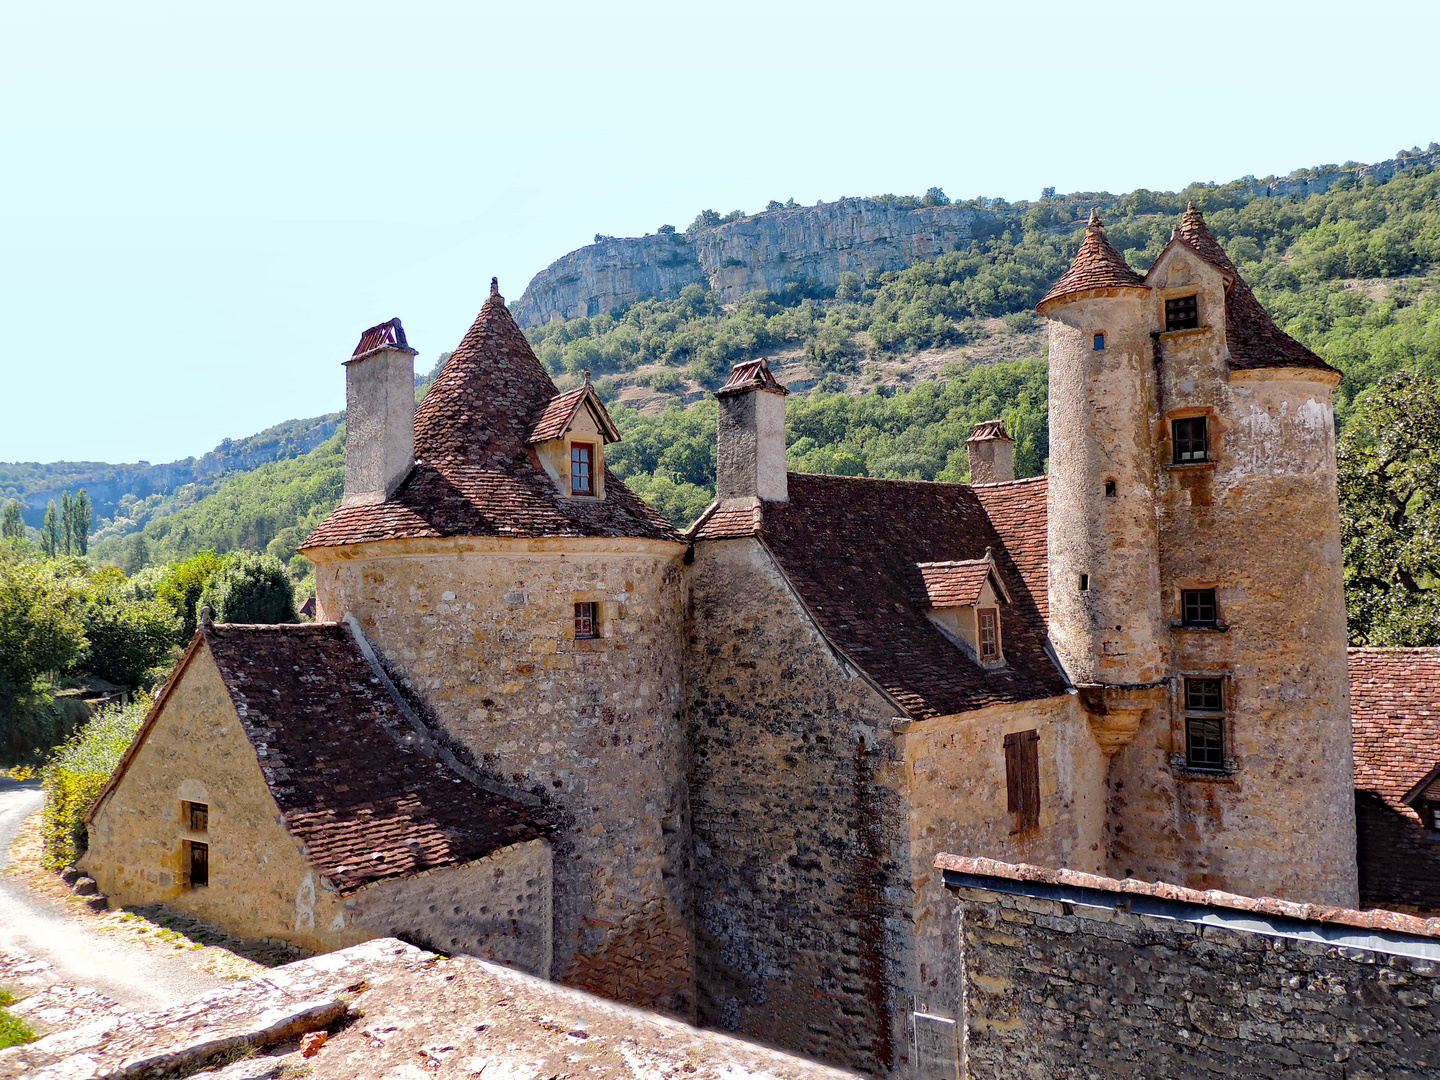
(379, 414)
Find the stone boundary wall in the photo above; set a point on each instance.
(1070, 975)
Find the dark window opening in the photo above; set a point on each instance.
(1190, 440)
(1182, 313)
(1022, 778)
(1099, 342)
(1084, 582)
(1430, 816)
(199, 864)
(581, 479)
(1109, 489)
(1204, 695)
(1197, 607)
(989, 633)
(199, 817)
(1205, 735)
(587, 622)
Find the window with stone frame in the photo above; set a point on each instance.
(587, 619)
(582, 465)
(1205, 723)
(1022, 779)
(1190, 439)
(198, 816)
(1198, 608)
(198, 860)
(989, 633)
(1182, 312)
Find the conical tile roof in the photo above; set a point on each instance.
(474, 474)
(1097, 265)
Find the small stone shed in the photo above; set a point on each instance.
(281, 789)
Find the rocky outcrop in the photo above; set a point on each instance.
(813, 244)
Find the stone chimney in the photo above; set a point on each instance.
(379, 414)
(751, 452)
(992, 453)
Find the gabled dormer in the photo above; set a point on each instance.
(569, 439)
(1189, 292)
(964, 598)
(1424, 799)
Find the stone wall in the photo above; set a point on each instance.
(802, 868)
(261, 886)
(1066, 978)
(481, 633)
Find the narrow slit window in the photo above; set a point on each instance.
(1182, 312)
(587, 622)
(1109, 489)
(1022, 778)
(199, 864)
(199, 816)
(1205, 732)
(1099, 342)
(1198, 607)
(581, 469)
(1191, 443)
(1084, 582)
(989, 633)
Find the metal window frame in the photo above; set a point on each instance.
(1177, 303)
(1179, 456)
(1214, 619)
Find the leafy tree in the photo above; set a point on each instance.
(137, 555)
(50, 531)
(251, 589)
(128, 637)
(84, 515)
(12, 527)
(665, 230)
(181, 585)
(67, 523)
(1389, 479)
(774, 204)
(934, 197)
(704, 220)
(41, 623)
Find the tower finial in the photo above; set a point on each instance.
(1189, 206)
(494, 286)
(1094, 222)
(586, 373)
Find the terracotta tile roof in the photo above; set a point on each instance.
(987, 430)
(1264, 905)
(751, 374)
(1252, 336)
(1395, 720)
(957, 583)
(555, 420)
(474, 473)
(388, 335)
(850, 546)
(332, 745)
(1018, 514)
(1097, 265)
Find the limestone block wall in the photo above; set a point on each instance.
(1062, 990)
(482, 633)
(956, 766)
(1260, 524)
(802, 869)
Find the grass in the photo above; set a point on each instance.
(13, 1030)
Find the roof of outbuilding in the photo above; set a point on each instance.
(338, 757)
(474, 473)
(1097, 265)
(850, 545)
(1395, 719)
(955, 583)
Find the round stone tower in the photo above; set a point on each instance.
(1106, 621)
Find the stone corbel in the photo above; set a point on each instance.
(1116, 710)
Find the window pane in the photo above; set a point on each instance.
(1204, 694)
(1197, 607)
(1189, 438)
(580, 468)
(989, 634)
(1204, 742)
(199, 865)
(585, 622)
(1182, 313)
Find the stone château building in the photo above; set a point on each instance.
(745, 745)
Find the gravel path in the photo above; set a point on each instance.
(132, 975)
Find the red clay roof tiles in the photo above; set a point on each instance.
(388, 335)
(334, 751)
(1395, 719)
(1097, 265)
(957, 583)
(556, 418)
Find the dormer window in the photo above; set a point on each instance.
(963, 600)
(989, 633)
(1182, 312)
(581, 468)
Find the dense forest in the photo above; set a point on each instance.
(891, 372)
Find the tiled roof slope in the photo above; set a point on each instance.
(957, 583)
(1097, 265)
(850, 544)
(474, 473)
(1017, 513)
(1252, 336)
(1395, 719)
(328, 738)
(555, 420)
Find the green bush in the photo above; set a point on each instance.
(251, 589)
(78, 770)
(127, 636)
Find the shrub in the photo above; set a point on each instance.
(251, 589)
(78, 770)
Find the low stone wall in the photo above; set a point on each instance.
(1069, 975)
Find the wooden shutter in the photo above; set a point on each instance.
(1022, 778)
(199, 864)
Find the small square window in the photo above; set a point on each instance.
(1190, 440)
(1182, 313)
(199, 816)
(587, 622)
(1205, 695)
(1198, 608)
(1109, 489)
(989, 633)
(199, 864)
(1205, 742)
(581, 469)
(1099, 342)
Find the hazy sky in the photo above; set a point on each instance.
(202, 205)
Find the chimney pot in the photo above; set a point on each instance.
(992, 453)
(379, 414)
(751, 452)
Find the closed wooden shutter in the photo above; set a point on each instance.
(199, 864)
(1022, 778)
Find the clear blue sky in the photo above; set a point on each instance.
(202, 205)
